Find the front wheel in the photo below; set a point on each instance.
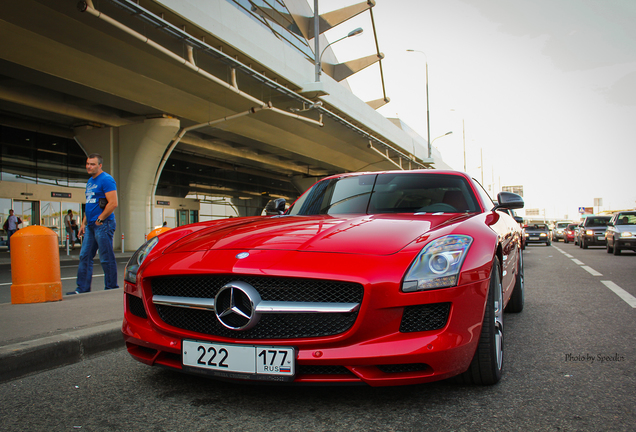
(487, 363)
(617, 250)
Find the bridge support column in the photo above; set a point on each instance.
(132, 154)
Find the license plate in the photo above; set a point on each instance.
(534, 238)
(600, 238)
(240, 361)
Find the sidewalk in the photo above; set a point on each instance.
(40, 336)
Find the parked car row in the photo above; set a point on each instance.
(616, 233)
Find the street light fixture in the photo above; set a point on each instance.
(447, 133)
(352, 33)
(428, 122)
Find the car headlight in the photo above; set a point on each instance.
(130, 273)
(589, 232)
(543, 235)
(438, 264)
(626, 234)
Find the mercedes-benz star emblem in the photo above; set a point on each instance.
(235, 306)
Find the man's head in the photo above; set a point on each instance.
(94, 164)
(11, 212)
(70, 211)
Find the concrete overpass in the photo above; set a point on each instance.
(162, 87)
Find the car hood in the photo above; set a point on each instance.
(356, 234)
(625, 228)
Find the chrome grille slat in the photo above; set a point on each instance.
(263, 307)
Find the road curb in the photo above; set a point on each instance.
(27, 357)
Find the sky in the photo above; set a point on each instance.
(542, 91)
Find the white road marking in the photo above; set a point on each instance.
(568, 255)
(575, 261)
(591, 271)
(629, 299)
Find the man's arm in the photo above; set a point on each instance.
(80, 232)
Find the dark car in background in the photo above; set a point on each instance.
(592, 231)
(569, 233)
(538, 233)
(621, 232)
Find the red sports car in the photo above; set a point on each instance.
(380, 278)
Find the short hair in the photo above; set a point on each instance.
(97, 156)
(69, 211)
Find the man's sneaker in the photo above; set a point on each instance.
(73, 292)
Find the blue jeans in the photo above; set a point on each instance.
(97, 237)
(10, 233)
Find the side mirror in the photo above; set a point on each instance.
(275, 207)
(519, 219)
(508, 200)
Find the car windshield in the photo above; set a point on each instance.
(388, 193)
(626, 219)
(538, 227)
(596, 221)
(561, 225)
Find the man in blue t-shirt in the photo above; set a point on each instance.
(98, 227)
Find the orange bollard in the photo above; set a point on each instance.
(35, 266)
(155, 232)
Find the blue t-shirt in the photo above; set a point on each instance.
(96, 188)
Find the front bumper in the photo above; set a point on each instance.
(381, 348)
(626, 243)
(537, 238)
(596, 239)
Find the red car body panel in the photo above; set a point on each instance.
(350, 248)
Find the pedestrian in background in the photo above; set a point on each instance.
(68, 223)
(11, 226)
(98, 227)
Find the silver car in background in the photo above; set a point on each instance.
(559, 230)
(621, 232)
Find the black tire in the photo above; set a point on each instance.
(608, 247)
(617, 250)
(583, 244)
(487, 363)
(517, 299)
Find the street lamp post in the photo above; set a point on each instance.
(428, 121)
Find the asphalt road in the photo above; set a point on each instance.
(68, 274)
(570, 360)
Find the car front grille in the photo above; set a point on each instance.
(270, 326)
